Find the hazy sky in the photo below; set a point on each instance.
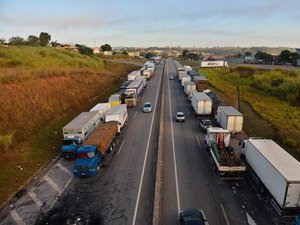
(201, 23)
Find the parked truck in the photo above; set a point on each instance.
(102, 109)
(181, 72)
(220, 63)
(77, 131)
(133, 75)
(189, 86)
(227, 162)
(201, 83)
(201, 103)
(133, 92)
(97, 146)
(275, 172)
(119, 115)
(184, 79)
(230, 119)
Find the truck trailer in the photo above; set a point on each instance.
(77, 131)
(133, 92)
(133, 75)
(275, 172)
(227, 162)
(184, 79)
(189, 86)
(201, 103)
(102, 109)
(201, 83)
(208, 64)
(181, 72)
(119, 115)
(230, 119)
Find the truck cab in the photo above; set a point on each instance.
(88, 161)
(69, 146)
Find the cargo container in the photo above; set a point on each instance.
(201, 103)
(275, 172)
(77, 131)
(201, 83)
(220, 63)
(184, 79)
(133, 75)
(229, 118)
(102, 109)
(181, 72)
(119, 115)
(189, 86)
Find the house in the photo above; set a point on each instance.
(96, 50)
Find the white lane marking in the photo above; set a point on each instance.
(250, 220)
(146, 155)
(135, 114)
(198, 141)
(188, 111)
(121, 147)
(173, 147)
(37, 201)
(64, 169)
(224, 214)
(53, 184)
(16, 217)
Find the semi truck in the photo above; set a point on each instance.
(227, 162)
(102, 109)
(221, 63)
(230, 119)
(77, 131)
(275, 172)
(201, 103)
(181, 72)
(133, 75)
(133, 92)
(97, 146)
(201, 83)
(119, 115)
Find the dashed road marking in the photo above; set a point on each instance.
(135, 114)
(53, 184)
(121, 147)
(37, 201)
(64, 169)
(16, 217)
(224, 214)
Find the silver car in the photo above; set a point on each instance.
(147, 107)
(180, 117)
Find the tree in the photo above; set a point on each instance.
(44, 38)
(106, 47)
(288, 57)
(54, 44)
(149, 55)
(264, 56)
(84, 49)
(125, 53)
(33, 40)
(16, 41)
(184, 54)
(193, 56)
(247, 54)
(2, 41)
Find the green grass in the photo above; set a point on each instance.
(190, 63)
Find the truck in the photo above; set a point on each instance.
(229, 118)
(201, 103)
(208, 64)
(189, 86)
(275, 172)
(184, 79)
(181, 72)
(97, 146)
(102, 109)
(201, 83)
(148, 73)
(133, 92)
(77, 131)
(119, 115)
(133, 75)
(226, 160)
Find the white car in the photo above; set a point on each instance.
(180, 117)
(147, 107)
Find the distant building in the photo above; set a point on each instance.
(134, 53)
(96, 50)
(107, 53)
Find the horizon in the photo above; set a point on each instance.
(145, 24)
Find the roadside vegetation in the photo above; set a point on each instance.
(42, 89)
(273, 94)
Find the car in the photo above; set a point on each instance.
(171, 76)
(147, 107)
(204, 124)
(180, 117)
(193, 217)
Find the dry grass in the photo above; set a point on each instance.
(38, 98)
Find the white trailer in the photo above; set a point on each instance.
(187, 68)
(119, 115)
(201, 103)
(133, 75)
(102, 109)
(229, 118)
(181, 72)
(184, 79)
(82, 126)
(220, 63)
(189, 86)
(274, 171)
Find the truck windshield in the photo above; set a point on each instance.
(86, 155)
(69, 142)
(129, 96)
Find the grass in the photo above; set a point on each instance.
(263, 91)
(190, 63)
(39, 95)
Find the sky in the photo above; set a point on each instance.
(141, 23)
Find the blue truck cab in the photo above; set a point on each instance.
(69, 146)
(88, 161)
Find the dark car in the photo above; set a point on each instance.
(204, 124)
(192, 217)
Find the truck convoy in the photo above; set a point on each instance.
(274, 171)
(133, 92)
(119, 115)
(227, 163)
(221, 63)
(77, 131)
(90, 155)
